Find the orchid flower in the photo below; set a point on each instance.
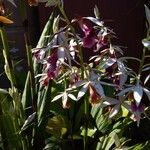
(39, 54)
(115, 103)
(137, 91)
(90, 38)
(137, 111)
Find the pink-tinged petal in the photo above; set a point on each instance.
(44, 80)
(38, 54)
(94, 97)
(114, 111)
(90, 38)
(138, 94)
(110, 62)
(98, 88)
(89, 41)
(137, 110)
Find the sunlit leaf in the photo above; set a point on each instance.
(3, 91)
(147, 11)
(146, 79)
(28, 121)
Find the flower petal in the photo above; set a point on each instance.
(82, 91)
(114, 111)
(72, 97)
(98, 88)
(125, 91)
(94, 20)
(138, 93)
(57, 97)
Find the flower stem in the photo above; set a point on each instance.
(82, 74)
(76, 39)
(86, 112)
(141, 63)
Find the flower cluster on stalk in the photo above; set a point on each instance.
(62, 63)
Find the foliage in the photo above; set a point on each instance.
(70, 99)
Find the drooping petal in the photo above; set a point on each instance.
(130, 89)
(114, 111)
(110, 101)
(82, 91)
(138, 93)
(98, 88)
(94, 97)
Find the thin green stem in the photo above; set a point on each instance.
(2, 131)
(141, 63)
(8, 63)
(76, 39)
(86, 111)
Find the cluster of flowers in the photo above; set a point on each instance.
(63, 63)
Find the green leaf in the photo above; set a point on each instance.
(57, 126)
(46, 32)
(44, 107)
(26, 96)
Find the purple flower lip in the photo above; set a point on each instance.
(90, 38)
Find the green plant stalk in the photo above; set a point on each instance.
(8, 61)
(31, 73)
(2, 131)
(86, 111)
(10, 74)
(141, 63)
